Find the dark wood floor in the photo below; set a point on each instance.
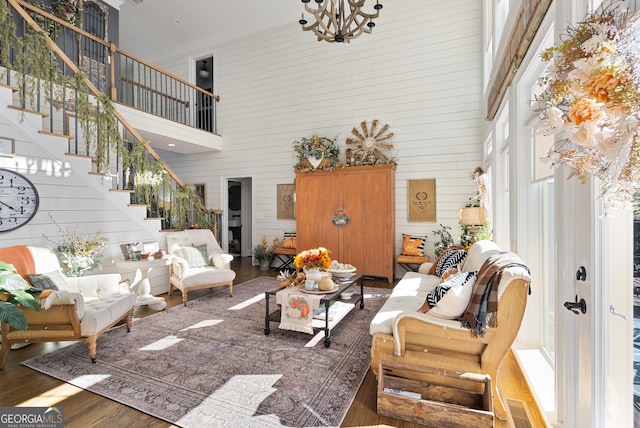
(22, 386)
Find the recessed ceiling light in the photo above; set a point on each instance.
(171, 145)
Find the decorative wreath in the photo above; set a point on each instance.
(591, 102)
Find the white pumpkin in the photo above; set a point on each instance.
(326, 284)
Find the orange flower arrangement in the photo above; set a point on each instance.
(314, 258)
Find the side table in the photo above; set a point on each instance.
(411, 263)
(285, 256)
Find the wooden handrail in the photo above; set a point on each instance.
(154, 91)
(172, 76)
(109, 46)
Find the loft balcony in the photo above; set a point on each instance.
(167, 111)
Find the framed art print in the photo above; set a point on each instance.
(422, 200)
(286, 205)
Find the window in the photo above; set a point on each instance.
(94, 55)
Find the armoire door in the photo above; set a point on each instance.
(365, 195)
(367, 242)
(316, 204)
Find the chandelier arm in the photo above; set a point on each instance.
(334, 24)
(359, 4)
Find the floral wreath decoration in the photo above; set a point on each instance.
(591, 101)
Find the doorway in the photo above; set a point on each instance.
(238, 216)
(204, 105)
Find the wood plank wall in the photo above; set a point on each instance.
(420, 72)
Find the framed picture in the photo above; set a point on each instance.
(150, 247)
(286, 202)
(7, 147)
(421, 197)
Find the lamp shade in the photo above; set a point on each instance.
(473, 216)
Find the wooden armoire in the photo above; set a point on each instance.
(351, 212)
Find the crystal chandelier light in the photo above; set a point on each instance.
(339, 20)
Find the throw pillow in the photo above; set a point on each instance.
(413, 245)
(448, 260)
(48, 281)
(451, 298)
(195, 256)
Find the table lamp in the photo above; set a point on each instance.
(473, 218)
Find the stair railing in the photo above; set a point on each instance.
(125, 157)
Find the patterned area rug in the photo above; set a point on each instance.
(210, 363)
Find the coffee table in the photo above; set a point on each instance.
(326, 300)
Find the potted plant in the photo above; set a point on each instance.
(14, 290)
(263, 253)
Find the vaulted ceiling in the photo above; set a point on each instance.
(155, 28)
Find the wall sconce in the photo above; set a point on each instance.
(473, 218)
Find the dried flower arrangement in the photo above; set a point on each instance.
(591, 101)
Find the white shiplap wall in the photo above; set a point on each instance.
(420, 72)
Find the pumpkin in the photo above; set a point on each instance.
(326, 284)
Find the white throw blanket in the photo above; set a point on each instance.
(297, 309)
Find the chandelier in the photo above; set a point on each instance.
(339, 20)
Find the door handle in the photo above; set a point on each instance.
(577, 305)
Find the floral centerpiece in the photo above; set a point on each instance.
(316, 258)
(316, 152)
(78, 251)
(591, 102)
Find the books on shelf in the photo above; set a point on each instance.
(336, 309)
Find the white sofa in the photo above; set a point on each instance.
(405, 336)
(81, 309)
(212, 270)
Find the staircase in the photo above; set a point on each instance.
(76, 124)
(26, 125)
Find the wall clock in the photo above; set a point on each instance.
(19, 200)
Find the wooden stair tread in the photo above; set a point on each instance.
(13, 88)
(56, 134)
(26, 110)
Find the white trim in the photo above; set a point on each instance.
(114, 3)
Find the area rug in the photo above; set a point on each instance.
(210, 363)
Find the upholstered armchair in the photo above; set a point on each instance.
(78, 309)
(198, 262)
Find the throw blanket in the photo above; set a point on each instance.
(20, 257)
(482, 311)
(297, 309)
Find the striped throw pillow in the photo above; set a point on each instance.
(450, 259)
(451, 298)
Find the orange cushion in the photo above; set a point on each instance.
(413, 245)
